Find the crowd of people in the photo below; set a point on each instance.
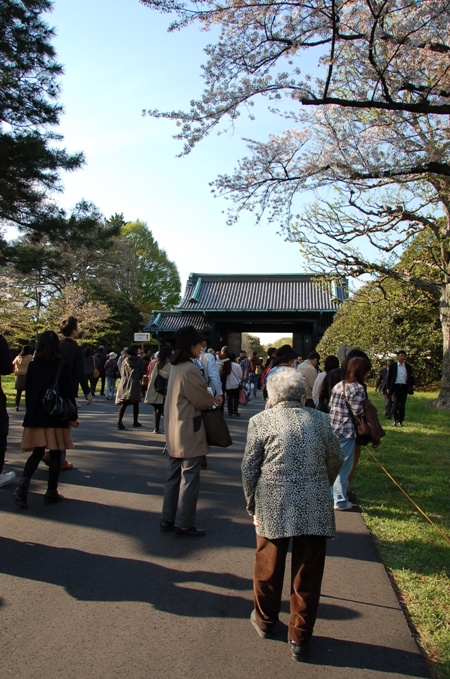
(300, 455)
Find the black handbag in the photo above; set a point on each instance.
(161, 384)
(61, 408)
(217, 433)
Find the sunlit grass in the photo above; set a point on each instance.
(8, 388)
(416, 554)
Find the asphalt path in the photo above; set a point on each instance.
(90, 587)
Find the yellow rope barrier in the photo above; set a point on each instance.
(446, 537)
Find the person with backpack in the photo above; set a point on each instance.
(253, 376)
(244, 362)
(208, 365)
(233, 379)
(157, 389)
(111, 375)
(129, 389)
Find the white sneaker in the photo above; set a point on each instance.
(7, 477)
(348, 505)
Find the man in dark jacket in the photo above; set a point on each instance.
(6, 368)
(400, 384)
(73, 356)
(381, 385)
(100, 358)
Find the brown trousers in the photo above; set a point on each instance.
(307, 565)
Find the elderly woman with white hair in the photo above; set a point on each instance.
(291, 460)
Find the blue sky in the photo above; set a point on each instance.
(119, 59)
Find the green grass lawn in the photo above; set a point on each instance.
(8, 388)
(415, 553)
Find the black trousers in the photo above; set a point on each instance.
(233, 400)
(387, 404)
(159, 411)
(307, 566)
(123, 406)
(399, 395)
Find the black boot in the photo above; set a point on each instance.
(52, 496)
(21, 492)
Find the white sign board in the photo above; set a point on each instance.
(142, 337)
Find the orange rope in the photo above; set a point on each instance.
(446, 538)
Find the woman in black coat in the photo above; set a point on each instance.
(41, 430)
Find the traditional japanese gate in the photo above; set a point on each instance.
(225, 306)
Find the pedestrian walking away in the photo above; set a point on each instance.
(129, 389)
(187, 397)
(157, 389)
(346, 404)
(291, 458)
(41, 430)
(21, 363)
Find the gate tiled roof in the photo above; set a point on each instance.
(250, 292)
(206, 294)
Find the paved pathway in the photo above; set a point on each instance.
(90, 588)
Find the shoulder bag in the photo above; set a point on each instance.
(368, 428)
(61, 408)
(362, 429)
(160, 384)
(217, 433)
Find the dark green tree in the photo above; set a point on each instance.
(385, 315)
(138, 267)
(54, 260)
(31, 157)
(252, 343)
(125, 319)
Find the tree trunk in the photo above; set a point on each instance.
(443, 400)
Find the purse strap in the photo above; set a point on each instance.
(58, 374)
(352, 414)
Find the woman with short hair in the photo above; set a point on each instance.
(291, 459)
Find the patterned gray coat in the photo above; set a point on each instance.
(291, 459)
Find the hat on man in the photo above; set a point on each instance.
(112, 355)
(187, 337)
(287, 353)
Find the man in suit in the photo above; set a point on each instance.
(381, 385)
(400, 384)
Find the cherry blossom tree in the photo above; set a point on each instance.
(364, 88)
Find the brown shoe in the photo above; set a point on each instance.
(66, 465)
